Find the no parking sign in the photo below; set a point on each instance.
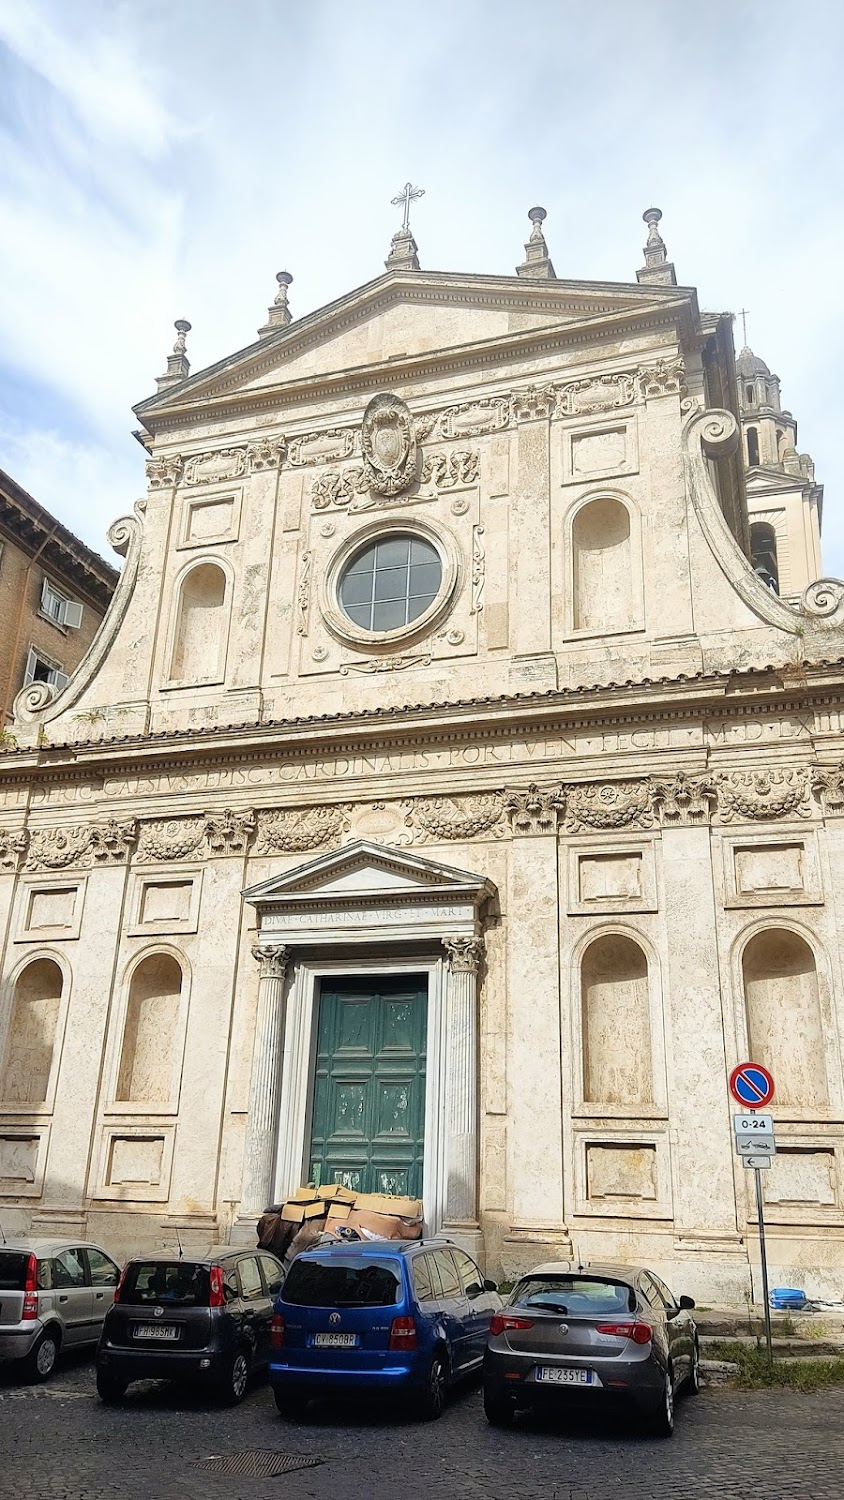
(751, 1085)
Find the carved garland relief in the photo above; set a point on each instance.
(645, 802)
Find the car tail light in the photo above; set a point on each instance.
(277, 1331)
(501, 1323)
(30, 1289)
(118, 1290)
(403, 1334)
(640, 1333)
(216, 1296)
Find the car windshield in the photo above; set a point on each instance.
(13, 1268)
(325, 1282)
(178, 1283)
(576, 1295)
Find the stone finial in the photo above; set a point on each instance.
(403, 254)
(658, 270)
(178, 365)
(279, 315)
(537, 261)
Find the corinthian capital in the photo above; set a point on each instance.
(272, 959)
(463, 955)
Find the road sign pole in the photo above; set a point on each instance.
(764, 1258)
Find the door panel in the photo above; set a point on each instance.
(72, 1298)
(369, 1085)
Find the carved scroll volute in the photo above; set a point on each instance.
(388, 441)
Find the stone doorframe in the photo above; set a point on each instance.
(389, 903)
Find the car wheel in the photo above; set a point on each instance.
(499, 1410)
(41, 1361)
(109, 1388)
(292, 1408)
(234, 1380)
(662, 1423)
(693, 1382)
(431, 1403)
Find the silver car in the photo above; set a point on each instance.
(591, 1335)
(54, 1294)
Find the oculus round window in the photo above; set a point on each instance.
(391, 582)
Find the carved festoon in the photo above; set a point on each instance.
(579, 398)
(762, 794)
(455, 817)
(613, 804)
(294, 832)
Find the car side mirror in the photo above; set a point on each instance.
(490, 1286)
(686, 1304)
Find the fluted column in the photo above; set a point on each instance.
(461, 1080)
(265, 1085)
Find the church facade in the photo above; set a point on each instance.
(447, 802)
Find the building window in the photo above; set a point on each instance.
(763, 554)
(749, 394)
(752, 447)
(391, 582)
(39, 669)
(58, 608)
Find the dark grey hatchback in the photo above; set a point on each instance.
(202, 1319)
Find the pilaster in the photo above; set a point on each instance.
(265, 1086)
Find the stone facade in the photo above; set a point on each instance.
(590, 795)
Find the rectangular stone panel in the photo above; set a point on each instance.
(51, 908)
(166, 901)
(18, 1162)
(615, 1171)
(769, 867)
(802, 1178)
(135, 1160)
(210, 520)
(610, 876)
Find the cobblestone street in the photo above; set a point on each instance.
(59, 1443)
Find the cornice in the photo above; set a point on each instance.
(730, 696)
(226, 399)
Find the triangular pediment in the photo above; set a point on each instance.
(365, 870)
(402, 317)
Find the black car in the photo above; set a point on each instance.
(202, 1319)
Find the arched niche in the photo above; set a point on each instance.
(605, 587)
(201, 625)
(152, 1032)
(784, 1022)
(31, 1034)
(616, 1023)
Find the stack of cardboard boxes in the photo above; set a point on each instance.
(371, 1215)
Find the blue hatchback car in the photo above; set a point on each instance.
(384, 1315)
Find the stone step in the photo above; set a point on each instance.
(795, 1348)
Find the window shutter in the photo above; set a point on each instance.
(29, 674)
(46, 596)
(59, 679)
(72, 613)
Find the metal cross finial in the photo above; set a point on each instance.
(744, 315)
(408, 196)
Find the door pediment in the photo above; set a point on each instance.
(364, 889)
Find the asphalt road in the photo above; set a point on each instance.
(57, 1442)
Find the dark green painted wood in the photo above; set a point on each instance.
(368, 1128)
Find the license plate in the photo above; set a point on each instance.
(555, 1375)
(335, 1340)
(164, 1331)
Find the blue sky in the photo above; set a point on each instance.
(164, 158)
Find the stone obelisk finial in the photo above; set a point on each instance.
(658, 270)
(537, 261)
(178, 364)
(278, 315)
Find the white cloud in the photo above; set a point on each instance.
(165, 161)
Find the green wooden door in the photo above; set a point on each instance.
(368, 1128)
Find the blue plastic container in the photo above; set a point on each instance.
(784, 1297)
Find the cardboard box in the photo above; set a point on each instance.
(335, 1192)
(384, 1226)
(338, 1213)
(299, 1213)
(384, 1203)
(304, 1195)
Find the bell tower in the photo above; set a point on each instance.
(784, 503)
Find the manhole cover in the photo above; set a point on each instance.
(259, 1463)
